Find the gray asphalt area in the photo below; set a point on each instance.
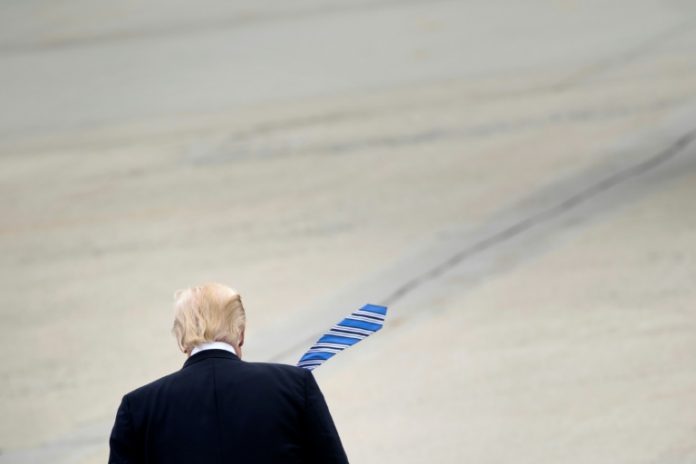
(515, 180)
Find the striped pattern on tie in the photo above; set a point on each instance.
(360, 324)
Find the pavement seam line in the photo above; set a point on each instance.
(527, 223)
(521, 226)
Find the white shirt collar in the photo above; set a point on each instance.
(213, 346)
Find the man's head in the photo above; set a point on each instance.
(206, 313)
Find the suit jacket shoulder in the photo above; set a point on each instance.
(217, 405)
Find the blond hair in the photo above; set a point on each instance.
(206, 313)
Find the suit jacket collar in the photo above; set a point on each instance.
(207, 354)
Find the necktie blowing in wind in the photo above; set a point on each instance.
(358, 326)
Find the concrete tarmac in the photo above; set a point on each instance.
(515, 179)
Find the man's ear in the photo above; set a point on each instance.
(241, 338)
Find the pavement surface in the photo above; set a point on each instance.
(514, 179)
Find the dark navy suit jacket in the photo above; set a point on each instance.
(219, 409)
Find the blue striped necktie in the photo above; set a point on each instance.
(359, 325)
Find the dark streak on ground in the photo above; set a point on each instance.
(520, 227)
(227, 151)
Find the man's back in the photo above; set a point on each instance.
(219, 409)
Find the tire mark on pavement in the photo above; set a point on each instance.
(563, 207)
(518, 228)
